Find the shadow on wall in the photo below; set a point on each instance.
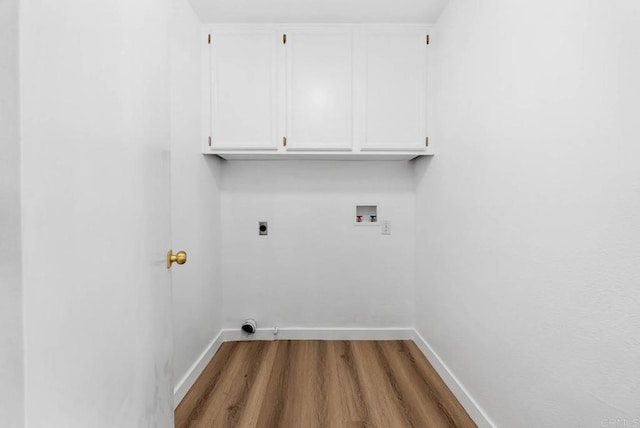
(420, 167)
(214, 165)
(316, 176)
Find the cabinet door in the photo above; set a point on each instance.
(243, 90)
(319, 75)
(394, 102)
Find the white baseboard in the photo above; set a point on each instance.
(187, 381)
(472, 408)
(469, 404)
(321, 334)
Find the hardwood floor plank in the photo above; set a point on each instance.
(345, 402)
(197, 398)
(383, 406)
(272, 407)
(305, 390)
(414, 389)
(233, 387)
(314, 384)
(258, 393)
(434, 388)
(417, 411)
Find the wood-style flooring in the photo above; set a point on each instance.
(305, 384)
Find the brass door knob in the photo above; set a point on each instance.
(180, 257)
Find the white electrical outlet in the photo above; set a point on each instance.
(386, 227)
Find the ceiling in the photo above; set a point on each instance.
(326, 11)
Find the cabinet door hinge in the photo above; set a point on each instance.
(426, 141)
(210, 141)
(428, 39)
(209, 39)
(284, 39)
(284, 141)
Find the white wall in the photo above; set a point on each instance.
(11, 355)
(96, 213)
(528, 226)
(332, 11)
(197, 292)
(315, 268)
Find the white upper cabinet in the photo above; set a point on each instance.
(243, 73)
(350, 91)
(394, 89)
(319, 75)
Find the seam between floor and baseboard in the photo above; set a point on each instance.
(228, 335)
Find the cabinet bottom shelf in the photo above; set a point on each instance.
(364, 156)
